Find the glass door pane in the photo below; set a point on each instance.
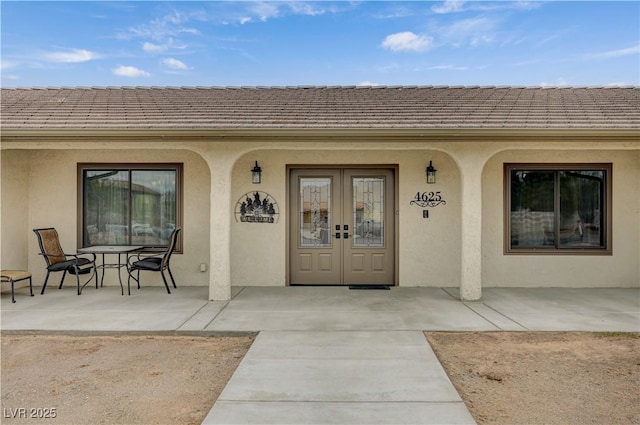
(368, 211)
(315, 212)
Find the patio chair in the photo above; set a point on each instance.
(158, 262)
(58, 261)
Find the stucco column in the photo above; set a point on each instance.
(471, 272)
(220, 238)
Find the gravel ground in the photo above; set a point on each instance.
(544, 378)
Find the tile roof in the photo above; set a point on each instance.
(341, 107)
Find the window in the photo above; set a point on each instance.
(558, 208)
(129, 204)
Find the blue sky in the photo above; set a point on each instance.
(149, 43)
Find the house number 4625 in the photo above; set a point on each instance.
(428, 199)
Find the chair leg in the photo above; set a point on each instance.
(129, 281)
(78, 279)
(13, 296)
(44, 285)
(171, 276)
(30, 286)
(95, 273)
(166, 285)
(62, 280)
(131, 276)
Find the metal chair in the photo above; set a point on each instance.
(58, 261)
(153, 262)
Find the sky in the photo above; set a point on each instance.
(323, 43)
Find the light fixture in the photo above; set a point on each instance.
(431, 173)
(256, 174)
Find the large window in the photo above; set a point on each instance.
(129, 204)
(558, 208)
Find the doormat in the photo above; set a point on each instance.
(384, 287)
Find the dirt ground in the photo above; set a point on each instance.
(504, 378)
(56, 379)
(544, 378)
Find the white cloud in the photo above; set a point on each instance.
(560, 82)
(309, 9)
(447, 68)
(72, 56)
(619, 84)
(474, 31)
(150, 47)
(174, 63)
(634, 50)
(449, 6)
(162, 28)
(7, 64)
(163, 47)
(455, 6)
(407, 41)
(265, 10)
(368, 84)
(130, 71)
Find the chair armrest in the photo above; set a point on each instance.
(53, 256)
(65, 256)
(89, 256)
(141, 255)
(75, 258)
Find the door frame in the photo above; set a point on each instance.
(394, 168)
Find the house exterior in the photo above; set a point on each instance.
(534, 187)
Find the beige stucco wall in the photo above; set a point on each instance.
(428, 251)
(14, 222)
(43, 186)
(39, 189)
(617, 270)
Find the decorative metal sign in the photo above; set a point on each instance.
(428, 199)
(257, 207)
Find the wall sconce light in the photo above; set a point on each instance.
(256, 174)
(431, 173)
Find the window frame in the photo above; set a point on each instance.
(556, 168)
(126, 166)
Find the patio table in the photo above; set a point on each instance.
(112, 249)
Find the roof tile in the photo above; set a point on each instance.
(311, 107)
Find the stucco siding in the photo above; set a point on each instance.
(616, 270)
(428, 250)
(39, 189)
(15, 208)
(47, 179)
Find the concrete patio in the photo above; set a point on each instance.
(253, 309)
(329, 354)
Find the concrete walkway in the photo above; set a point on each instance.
(329, 354)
